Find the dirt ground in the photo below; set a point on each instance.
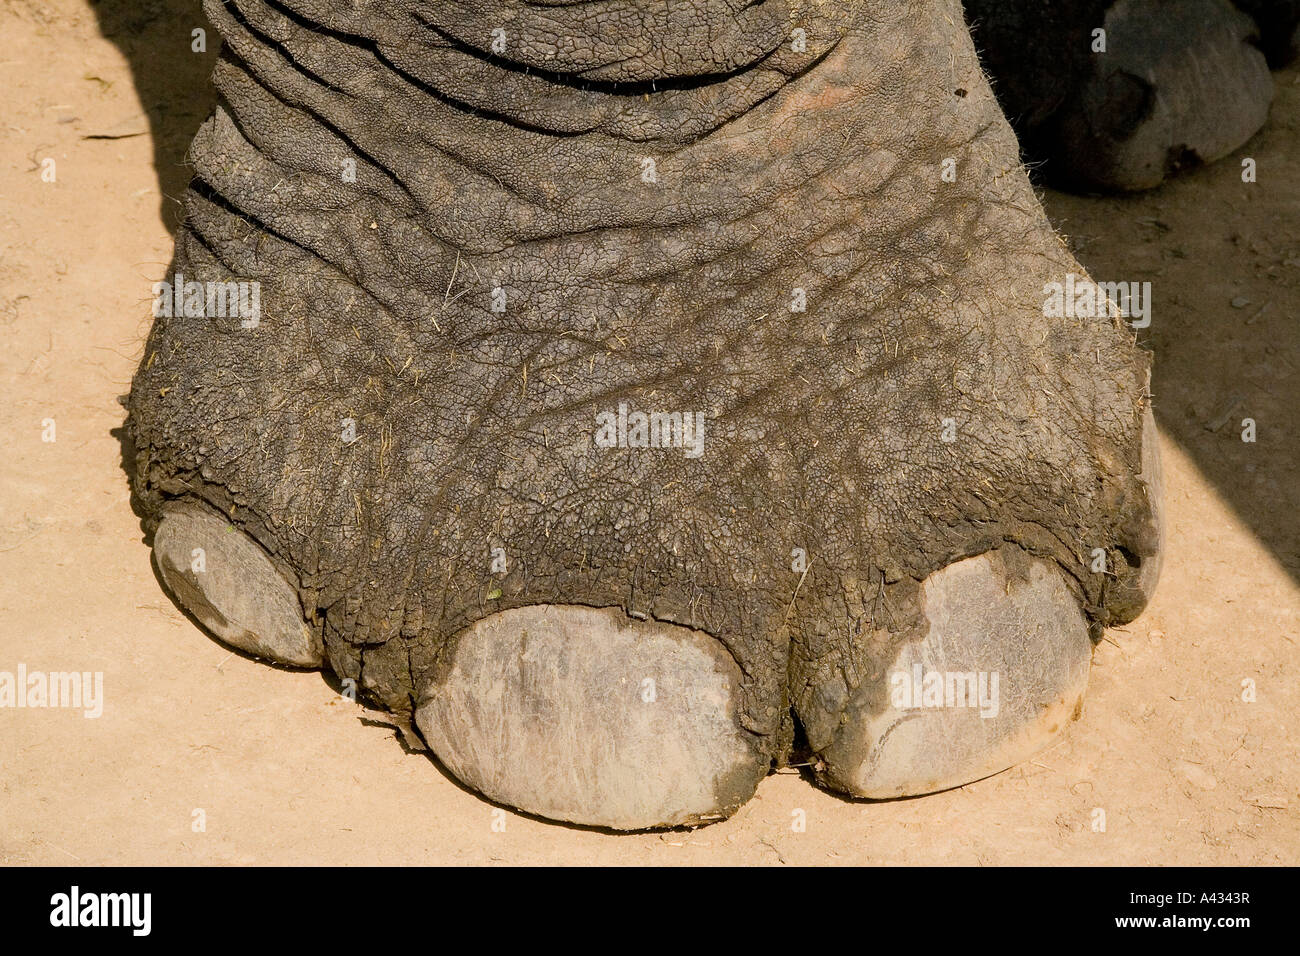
(287, 771)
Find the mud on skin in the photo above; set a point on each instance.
(676, 208)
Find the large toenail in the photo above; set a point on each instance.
(999, 672)
(225, 579)
(584, 715)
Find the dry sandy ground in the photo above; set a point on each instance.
(287, 771)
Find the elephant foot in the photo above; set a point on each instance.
(638, 400)
(1120, 95)
(1180, 84)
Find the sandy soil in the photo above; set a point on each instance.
(287, 771)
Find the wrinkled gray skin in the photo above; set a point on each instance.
(805, 222)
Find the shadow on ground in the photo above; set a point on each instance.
(171, 79)
(1223, 260)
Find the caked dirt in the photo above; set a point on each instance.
(203, 756)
